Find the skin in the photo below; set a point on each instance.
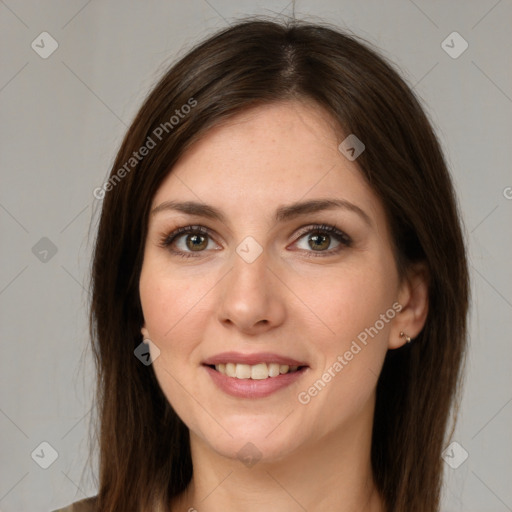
(314, 456)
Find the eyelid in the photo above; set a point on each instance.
(189, 228)
(331, 229)
(166, 239)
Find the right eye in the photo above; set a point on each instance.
(188, 240)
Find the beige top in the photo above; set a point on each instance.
(87, 505)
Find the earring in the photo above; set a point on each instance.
(407, 338)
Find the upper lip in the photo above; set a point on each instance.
(251, 359)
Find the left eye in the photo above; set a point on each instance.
(319, 239)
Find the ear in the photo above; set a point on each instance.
(145, 332)
(413, 297)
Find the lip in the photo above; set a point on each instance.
(249, 388)
(252, 359)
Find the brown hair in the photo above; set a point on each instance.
(144, 446)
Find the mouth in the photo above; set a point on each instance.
(253, 375)
(258, 371)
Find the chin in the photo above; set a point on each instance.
(253, 441)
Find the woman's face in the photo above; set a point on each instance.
(264, 286)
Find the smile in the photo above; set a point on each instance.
(255, 372)
(253, 381)
(255, 375)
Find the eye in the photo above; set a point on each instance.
(315, 240)
(188, 240)
(319, 238)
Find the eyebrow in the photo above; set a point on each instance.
(283, 213)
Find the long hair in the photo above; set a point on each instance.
(144, 449)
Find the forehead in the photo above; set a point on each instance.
(268, 156)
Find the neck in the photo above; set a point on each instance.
(333, 473)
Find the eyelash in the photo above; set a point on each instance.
(340, 236)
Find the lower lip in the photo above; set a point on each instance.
(253, 388)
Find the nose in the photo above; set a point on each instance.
(252, 298)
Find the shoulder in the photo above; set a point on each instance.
(87, 505)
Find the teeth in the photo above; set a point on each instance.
(243, 371)
(259, 371)
(273, 370)
(230, 369)
(256, 372)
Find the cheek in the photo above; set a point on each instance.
(169, 304)
(171, 309)
(355, 310)
(349, 301)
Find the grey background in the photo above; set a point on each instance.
(62, 121)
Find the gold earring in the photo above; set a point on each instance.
(407, 338)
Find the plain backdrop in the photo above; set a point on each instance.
(62, 120)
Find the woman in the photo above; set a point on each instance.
(279, 286)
